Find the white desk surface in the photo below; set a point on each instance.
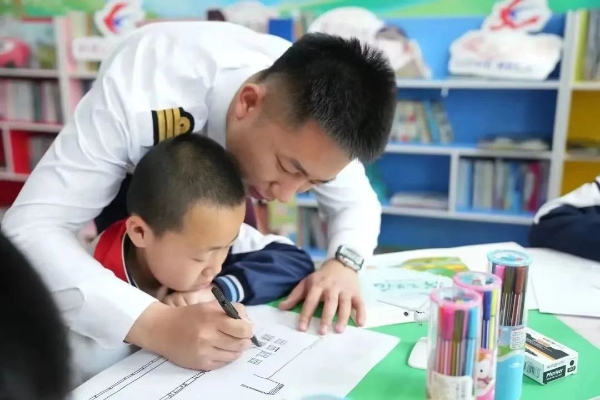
(475, 258)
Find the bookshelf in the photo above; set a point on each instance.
(556, 109)
(477, 108)
(584, 119)
(30, 106)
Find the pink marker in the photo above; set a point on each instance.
(499, 271)
(447, 329)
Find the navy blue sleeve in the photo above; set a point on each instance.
(262, 268)
(570, 224)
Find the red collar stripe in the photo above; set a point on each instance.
(109, 250)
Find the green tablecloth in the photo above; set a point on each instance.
(393, 379)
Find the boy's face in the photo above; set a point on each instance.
(189, 259)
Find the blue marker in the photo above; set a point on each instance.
(487, 307)
(471, 341)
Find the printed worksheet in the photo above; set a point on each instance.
(288, 365)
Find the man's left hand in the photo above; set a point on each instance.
(338, 287)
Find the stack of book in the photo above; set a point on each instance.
(424, 122)
(591, 54)
(38, 145)
(501, 185)
(30, 100)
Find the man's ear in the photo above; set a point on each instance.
(138, 231)
(249, 100)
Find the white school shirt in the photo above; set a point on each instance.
(164, 79)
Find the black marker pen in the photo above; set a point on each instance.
(230, 309)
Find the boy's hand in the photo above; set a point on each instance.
(181, 299)
(200, 337)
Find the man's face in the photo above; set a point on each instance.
(276, 161)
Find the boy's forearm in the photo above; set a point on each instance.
(265, 275)
(262, 268)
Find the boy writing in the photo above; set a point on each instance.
(184, 234)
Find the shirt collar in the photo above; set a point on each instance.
(110, 251)
(226, 85)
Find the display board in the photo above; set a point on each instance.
(198, 9)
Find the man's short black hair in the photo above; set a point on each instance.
(346, 86)
(34, 350)
(179, 173)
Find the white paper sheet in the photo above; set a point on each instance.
(289, 365)
(474, 257)
(566, 284)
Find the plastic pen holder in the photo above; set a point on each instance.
(453, 342)
(488, 287)
(513, 268)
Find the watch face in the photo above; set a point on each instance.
(352, 254)
(350, 258)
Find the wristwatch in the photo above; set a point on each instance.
(349, 258)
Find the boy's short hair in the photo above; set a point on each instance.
(34, 349)
(347, 87)
(179, 173)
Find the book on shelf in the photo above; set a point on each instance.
(28, 148)
(513, 142)
(583, 147)
(283, 219)
(423, 122)
(377, 182)
(312, 230)
(86, 85)
(591, 55)
(30, 100)
(81, 25)
(424, 199)
(502, 185)
(38, 145)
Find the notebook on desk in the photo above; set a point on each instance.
(288, 364)
(445, 262)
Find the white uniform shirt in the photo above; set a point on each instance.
(164, 79)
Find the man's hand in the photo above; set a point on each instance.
(337, 286)
(200, 337)
(181, 299)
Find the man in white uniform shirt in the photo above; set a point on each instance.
(296, 118)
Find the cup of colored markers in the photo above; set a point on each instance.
(512, 267)
(488, 286)
(453, 342)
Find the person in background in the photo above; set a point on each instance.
(34, 351)
(571, 223)
(296, 116)
(183, 236)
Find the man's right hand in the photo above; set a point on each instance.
(200, 336)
